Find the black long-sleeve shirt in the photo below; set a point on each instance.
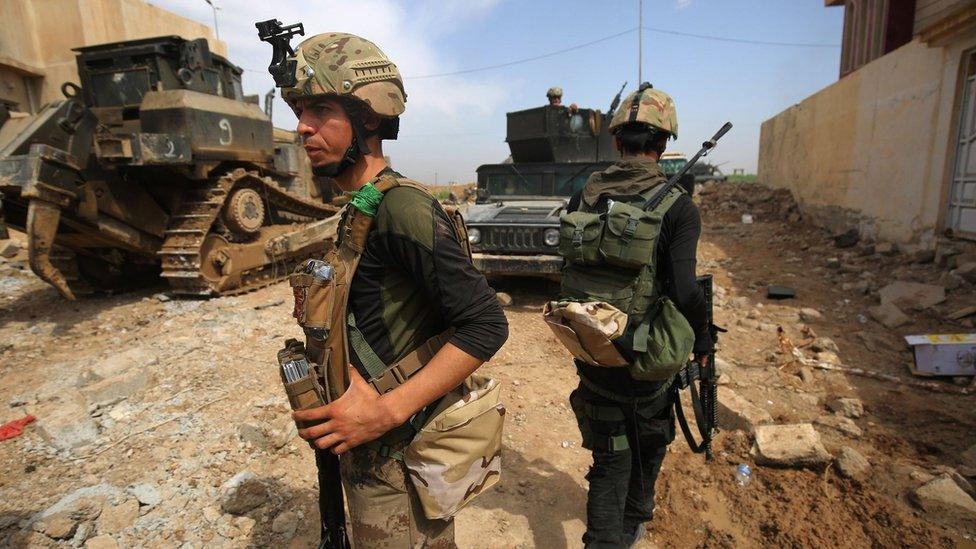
(414, 281)
(677, 247)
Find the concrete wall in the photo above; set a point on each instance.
(874, 149)
(41, 33)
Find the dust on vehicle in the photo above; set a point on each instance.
(157, 165)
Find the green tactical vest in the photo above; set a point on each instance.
(610, 258)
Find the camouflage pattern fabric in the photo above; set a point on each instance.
(336, 63)
(554, 91)
(456, 456)
(647, 106)
(384, 510)
(587, 329)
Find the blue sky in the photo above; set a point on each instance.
(455, 123)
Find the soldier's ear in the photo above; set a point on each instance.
(371, 121)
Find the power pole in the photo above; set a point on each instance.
(215, 8)
(640, 42)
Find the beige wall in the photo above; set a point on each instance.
(41, 34)
(873, 149)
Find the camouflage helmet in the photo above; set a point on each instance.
(345, 65)
(554, 91)
(647, 106)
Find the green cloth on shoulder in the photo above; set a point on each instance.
(367, 199)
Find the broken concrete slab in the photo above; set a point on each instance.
(789, 446)
(850, 463)
(735, 412)
(64, 422)
(848, 407)
(119, 387)
(915, 295)
(944, 500)
(103, 541)
(840, 423)
(505, 300)
(966, 271)
(889, 315)
(9, 248)
(118, 363)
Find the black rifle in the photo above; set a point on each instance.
(332, 514)
(283, 64)
(704, 399)
(675, 179)
(616, 101)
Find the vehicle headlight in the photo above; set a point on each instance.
(551, 237)
(474, 236)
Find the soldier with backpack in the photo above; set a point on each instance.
(631, 313)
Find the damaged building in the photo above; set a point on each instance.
(890, 148)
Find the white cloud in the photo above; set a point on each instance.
(409, 37)
(682, 4)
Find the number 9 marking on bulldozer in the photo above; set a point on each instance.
(224, 126)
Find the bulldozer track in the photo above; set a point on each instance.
(194, 221)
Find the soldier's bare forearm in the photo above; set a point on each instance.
(449, 367)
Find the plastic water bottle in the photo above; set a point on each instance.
(743, 474)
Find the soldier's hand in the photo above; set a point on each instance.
(357, 417)
(702, 359)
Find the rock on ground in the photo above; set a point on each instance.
(735, 412)
(115, 518)
(789, 446)
(147, 494)
(849, 407)
(504, 299)
(241, 493)
(9, 248)
(101, 542)
(912, 294)
(850, 462)
(889, 315)
(59, 526)
(64, 421)
(943, 499)
(809, 315)
(285, 524)
(118, 387)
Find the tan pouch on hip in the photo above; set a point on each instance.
(457, 454)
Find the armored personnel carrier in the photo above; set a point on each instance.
(514, 225)
(157, 166)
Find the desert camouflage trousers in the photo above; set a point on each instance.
(384, 511)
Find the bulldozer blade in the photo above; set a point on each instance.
(42, 227)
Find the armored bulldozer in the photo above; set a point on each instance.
(514, 224)
(157, 166)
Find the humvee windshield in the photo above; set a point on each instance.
(672, 165)
(565, 180)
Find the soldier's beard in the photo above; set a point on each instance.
(335, 169)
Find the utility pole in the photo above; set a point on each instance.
(640, 42)
(215, 8)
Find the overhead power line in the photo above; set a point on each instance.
(604, 39)
(525, 60)
(740, 40)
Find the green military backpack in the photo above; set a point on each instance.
(609, 292)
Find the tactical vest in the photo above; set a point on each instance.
(609, 293)
(454, 450)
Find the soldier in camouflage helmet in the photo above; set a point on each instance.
(414, 281)
(555, 96)
(628, 423)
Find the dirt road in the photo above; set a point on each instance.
(146, 406)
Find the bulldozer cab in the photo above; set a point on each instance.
(115, 77)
